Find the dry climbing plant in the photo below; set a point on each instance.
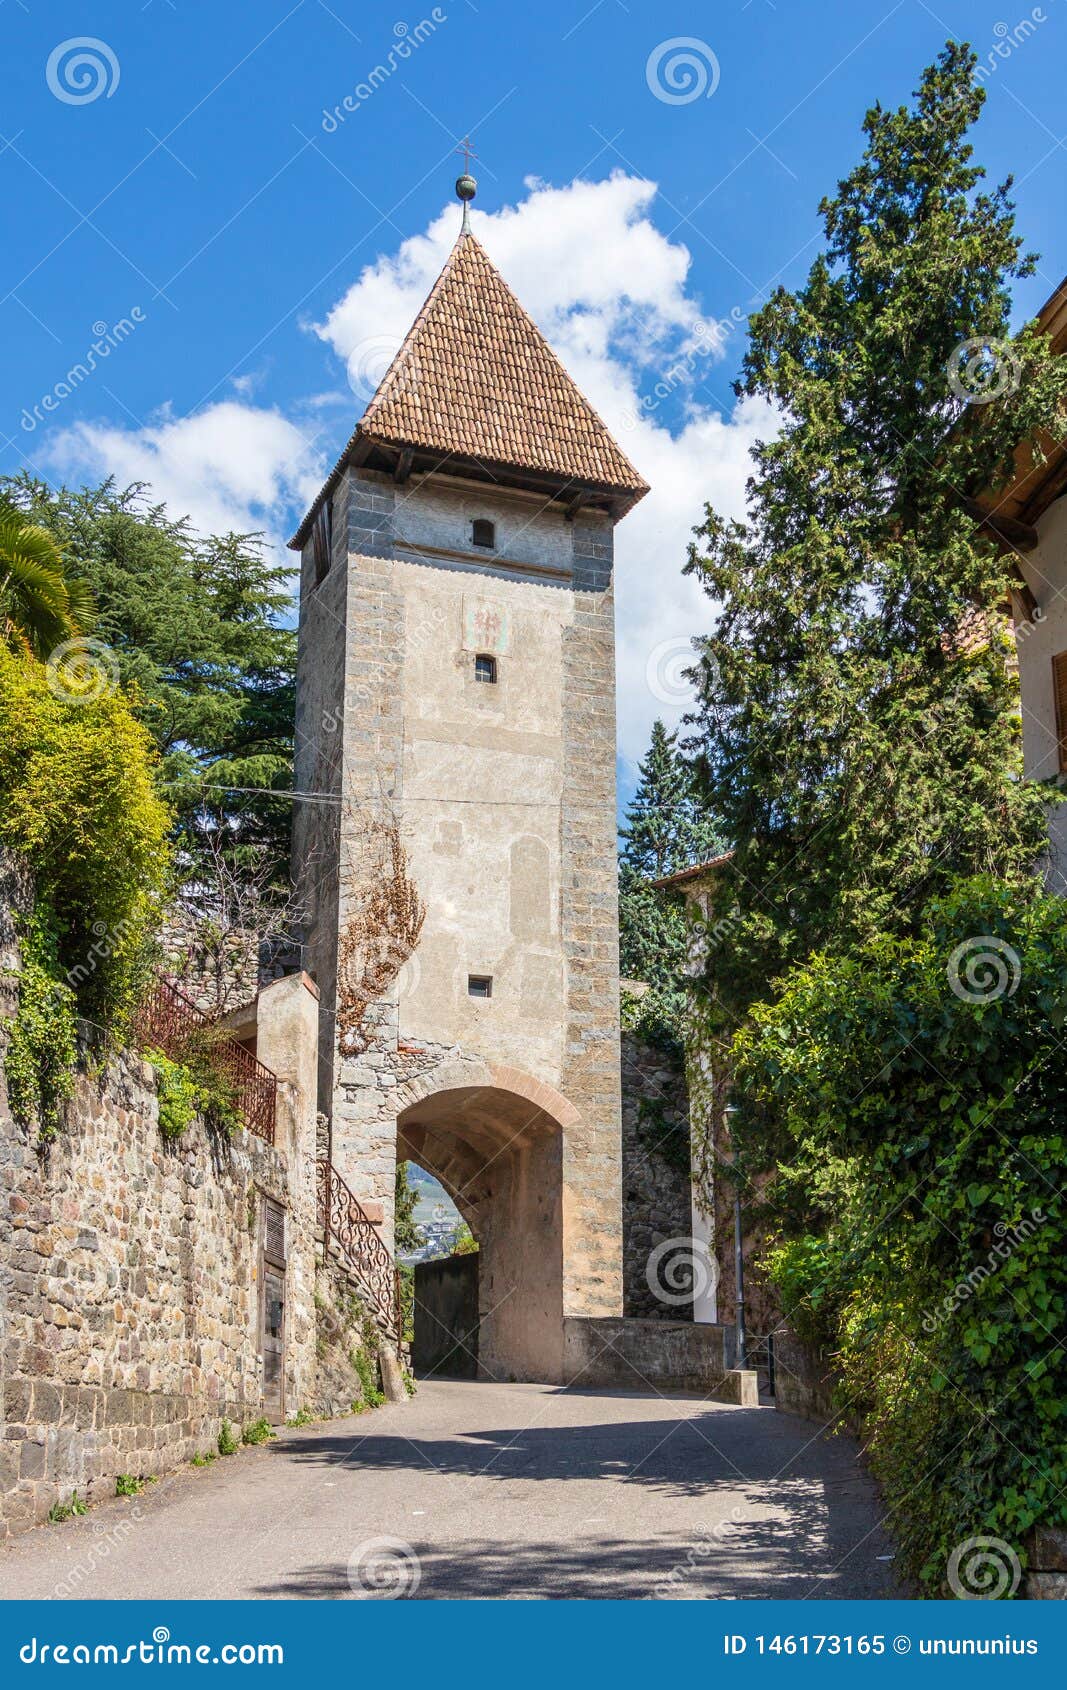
(382, 930)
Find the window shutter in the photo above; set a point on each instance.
(1059, 689)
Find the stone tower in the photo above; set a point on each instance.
(456, 694)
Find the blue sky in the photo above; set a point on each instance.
(266, 256)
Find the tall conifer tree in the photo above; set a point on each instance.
(859, 752)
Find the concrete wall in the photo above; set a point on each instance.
(634, 1354)
(1038, 641)
(504, 795)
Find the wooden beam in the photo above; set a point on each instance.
(403, 465)
(1019, 536)
(580, 498)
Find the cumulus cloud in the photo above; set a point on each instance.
(231, 465)
(613, 295)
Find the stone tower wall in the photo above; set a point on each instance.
(505, 799)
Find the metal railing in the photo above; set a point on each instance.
(170, 1021)
(347, 1230)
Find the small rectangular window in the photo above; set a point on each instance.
(480, 985)
(483, 533)
(485, 668)
(1059, 692)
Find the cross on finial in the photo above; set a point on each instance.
(468, 153)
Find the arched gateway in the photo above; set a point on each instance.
(456, 699)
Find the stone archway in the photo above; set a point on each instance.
(498, 1151)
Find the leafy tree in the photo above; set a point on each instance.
(858, 754)
(195, 624)
(41, 607)
(666, 829)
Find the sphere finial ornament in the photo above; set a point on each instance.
(466, 186)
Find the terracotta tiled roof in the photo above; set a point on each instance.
(694, 872)
(475, 378)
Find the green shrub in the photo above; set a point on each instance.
(127, 1485)
(302, 1417)
(205, 1459)
(259, 1432)
(228, 1444)
(195, 1085)
(78, 801)
(915, 1097)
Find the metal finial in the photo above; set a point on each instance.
(466, 186)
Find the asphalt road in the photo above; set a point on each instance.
(484, 1490)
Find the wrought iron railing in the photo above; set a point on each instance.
(348, 1231)
(171, 1022)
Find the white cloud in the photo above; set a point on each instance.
(609, 291)
(229, 466)
(613, 296)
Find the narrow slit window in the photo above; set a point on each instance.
(321, 538)
(1059, 692)
(483, 533)
(479, 985)
(485, 668)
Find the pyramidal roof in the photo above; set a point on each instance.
(476, 379)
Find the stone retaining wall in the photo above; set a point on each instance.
(130, 1266)
(132, 1324)
(656, 1186)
